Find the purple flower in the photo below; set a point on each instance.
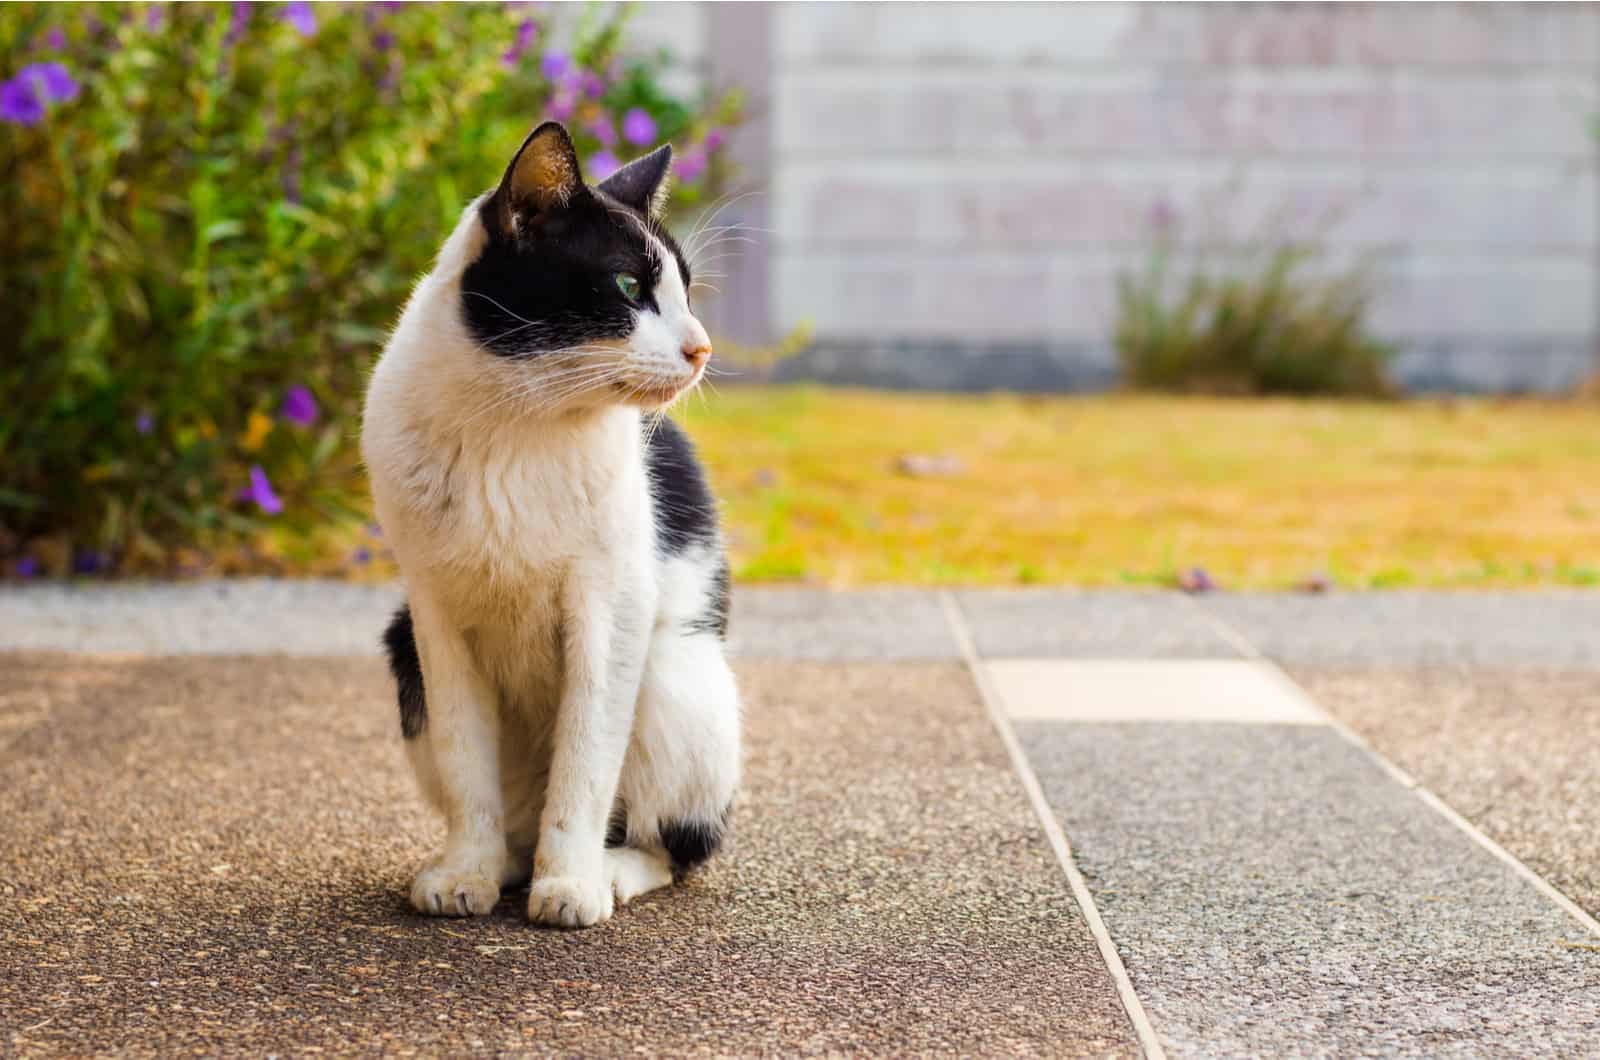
(26, 567)
(155, 17)
(144, 423)
(238, 22)
(1197, 580)
(260, 491)
(555, 64)
(383, 40)
(300, 15)
(563, 106)
(638, 127)
(591, 84)
(374, 530)
(88, 561)
(714, 139)
(299, 406)
(56, 38)
(19, 103)
(690, 165)
(51, 81)
(603, 131)
(527, 29)
(602, 164)
(362, 556)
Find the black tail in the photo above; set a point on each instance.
(691, 842)
(401, 642)
(688, 843)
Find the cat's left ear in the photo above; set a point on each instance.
(542, 177)
(642, 183)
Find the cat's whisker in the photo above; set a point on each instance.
(513, 314)
(710, 219)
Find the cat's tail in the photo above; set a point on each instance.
(400, 642)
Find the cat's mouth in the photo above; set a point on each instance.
(655, 394)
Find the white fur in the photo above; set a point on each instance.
(557, 668)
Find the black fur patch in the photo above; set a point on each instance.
(715, 617)
(401, 642)
(617, 827)
(686, 512)
(689, 843)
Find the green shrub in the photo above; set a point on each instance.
(1263, 326)
(213, 214)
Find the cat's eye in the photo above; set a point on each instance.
(628, 284)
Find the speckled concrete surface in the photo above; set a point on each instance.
(870, 624)
(209, 854)
(262, 616)
(1516, 751)
(1273, 892)
(1020, 623)
(321, 618)
(238, 616)
(1554, 628)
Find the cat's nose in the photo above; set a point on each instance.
(697, 353)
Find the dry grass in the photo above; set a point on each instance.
(1130, 490)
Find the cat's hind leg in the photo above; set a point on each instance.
(683, 761)
(633, 871)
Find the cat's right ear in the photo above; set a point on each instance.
(542, 177)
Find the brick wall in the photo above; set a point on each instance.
(954, 187)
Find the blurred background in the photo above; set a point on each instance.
(1195, 295)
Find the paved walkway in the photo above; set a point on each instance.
(975, 823)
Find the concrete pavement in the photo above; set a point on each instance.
(210, 829)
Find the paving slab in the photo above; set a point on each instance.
(864, 625)
(260, 616)
(1273, 891)
(219, 617)
(1553, 628)
(1166, 690)
(1516, 751)
(210, 854)
(1031, 623)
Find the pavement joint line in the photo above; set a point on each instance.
(1438, 805)
(1149, 1040)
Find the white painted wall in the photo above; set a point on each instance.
(974, 175)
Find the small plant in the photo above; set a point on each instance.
(1264, 325)
(213, 213)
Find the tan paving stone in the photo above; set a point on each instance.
(210, 854)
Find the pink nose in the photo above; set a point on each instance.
(697, 354)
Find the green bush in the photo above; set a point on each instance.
(213, 214)
(1262, 326)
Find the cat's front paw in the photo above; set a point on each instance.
(440, 891)
(570, 901)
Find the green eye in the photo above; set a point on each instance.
(628, 284)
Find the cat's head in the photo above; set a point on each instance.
(579, 289)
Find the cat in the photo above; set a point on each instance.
(565, 699)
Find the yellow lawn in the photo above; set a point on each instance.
(1119, 490)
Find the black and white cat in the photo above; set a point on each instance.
(564, 695)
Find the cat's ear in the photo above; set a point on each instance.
(542, 177)
(642, 183)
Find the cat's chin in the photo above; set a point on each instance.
(652, 398)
